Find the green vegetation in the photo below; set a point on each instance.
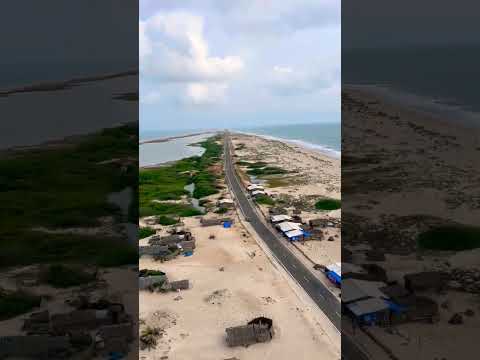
(328, 204)
(144, 232)
(221, 210)
(36, 247)
(279, 182)
(453, 238)
(166, 220)
(65, 186)
(168, 182)
(269, 170)
(147, 272)
(181, 210)
(61, 276)
(265, 200)
(148, 337)
(16, 303)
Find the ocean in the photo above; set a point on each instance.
(438, 79)
(324, 137)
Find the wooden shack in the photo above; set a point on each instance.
(256, 331)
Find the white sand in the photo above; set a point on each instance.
(249, 286)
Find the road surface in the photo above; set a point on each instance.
(326, 301)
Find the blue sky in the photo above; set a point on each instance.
(217, 63)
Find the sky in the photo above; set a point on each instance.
(406, 23)
(226, 64)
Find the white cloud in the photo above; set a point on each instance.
(180, 50)
(206, 93)
(144, 44)
(287, 81)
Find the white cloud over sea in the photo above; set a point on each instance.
(216, 63)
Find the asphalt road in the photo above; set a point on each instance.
(326, 301)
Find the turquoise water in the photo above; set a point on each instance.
(321, 137)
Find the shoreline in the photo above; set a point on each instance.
(317, 148)
(297, 145)
(430, 110)
(170, 138)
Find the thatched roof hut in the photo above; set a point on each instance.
(257, 330)
(427, 280)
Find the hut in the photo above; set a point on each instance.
(354, 290)
(154, 250)
(295, 235)
(179, 285)
(38, 323)
(254, 187)
(277, 211)
(34, 346)
(147, 282)
(334, 273)
(258, 193)
(428, 280)
(280, 218)
(288, 226)
(226, 203)
(375, 255)
(257, 330)
(188, 245)
(370, 311)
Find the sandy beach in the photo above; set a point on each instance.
(386, 213)
(232, 281)
(311, 175)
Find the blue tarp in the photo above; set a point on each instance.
(334, 277)
(227, 224)
(395, 308)
(188, 253)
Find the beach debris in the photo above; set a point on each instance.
(256, 331)
(149, 337)
(177, 298)
(221, 268)
(217, 296)
(456, 319)
(211, 237)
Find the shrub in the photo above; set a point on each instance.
(16, 303)
(453, 238)
(166, 220)
(144, 232)
(61, 276)
(328, 204)
(265, 200)
(221, 210)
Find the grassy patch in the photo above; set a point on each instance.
(265, 200)
(144, 232)
(453, 238)
(147, 272)
(30, 247)
(58, 187)
(279, 182)
(221, 210)
(268, 170)
(328, 204)
(16, 303)
(166, 220)
(168, 182)
(181, 210)
(61, 276)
